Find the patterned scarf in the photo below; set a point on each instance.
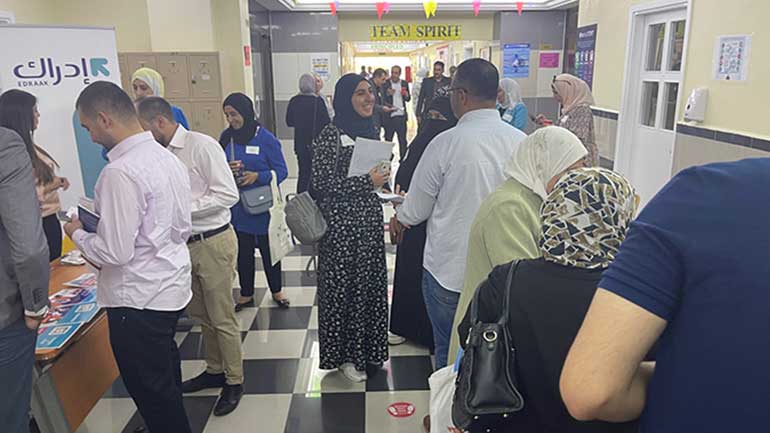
(586, 217)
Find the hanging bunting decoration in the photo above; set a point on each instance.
(382, 8)
(476, 7)
(430, 8)
(333, 8)
(520, 7)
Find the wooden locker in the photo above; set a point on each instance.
(205, 76)
(125, 76)
(176, 75)
(135, 61)
(209, 118)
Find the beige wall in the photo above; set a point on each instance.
(157, 25)
(733, 106)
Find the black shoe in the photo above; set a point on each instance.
(203, 381)
(373, 368)
(282, 303)
(239, 306)
(228, 399)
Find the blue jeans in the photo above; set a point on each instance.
(17, 357)
(441, 305)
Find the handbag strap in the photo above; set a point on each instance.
(277, 199)
(503, 319)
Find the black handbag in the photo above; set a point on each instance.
(486, 394)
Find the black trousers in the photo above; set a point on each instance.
(397, 125)
(305, 163)
(148, 359)
(52, 230)
(247, 243)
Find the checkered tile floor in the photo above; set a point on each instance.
(285, 390)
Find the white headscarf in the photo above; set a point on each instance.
(152, 78)
(512, 92)
(307, 84)
(544, 154)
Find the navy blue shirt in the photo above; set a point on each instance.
(698, 256)
(262, 155)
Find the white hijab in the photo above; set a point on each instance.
(512, 92)
(541, 156)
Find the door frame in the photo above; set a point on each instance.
(634, 62)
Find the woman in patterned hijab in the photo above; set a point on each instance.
(586, 217)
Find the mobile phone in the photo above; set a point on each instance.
(63, 217)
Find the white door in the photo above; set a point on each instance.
(653, 86)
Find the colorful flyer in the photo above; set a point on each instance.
(55, 336)
(550, 60)
(516, 60)
(85, 280)
(585, 54)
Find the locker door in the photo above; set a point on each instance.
(175, 72)
(205, 76)
(187, 109)
(135, 61)
(125, 76)
(209, 119)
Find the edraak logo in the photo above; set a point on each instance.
(45, 72)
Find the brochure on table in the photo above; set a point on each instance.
(70, 309)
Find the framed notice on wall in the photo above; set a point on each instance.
(585, 53)
(731, 58)
(320, 64)
(516, 60)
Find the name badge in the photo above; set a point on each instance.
(252, 150)
(507, 117)
(347, 141)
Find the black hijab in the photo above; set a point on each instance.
(345, 116)
(432, 128)
(245, 107)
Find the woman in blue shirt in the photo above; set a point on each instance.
(509, 103)
(254, 154)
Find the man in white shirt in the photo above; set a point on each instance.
(396, 94)
(213, 250)
(458, 170)
(140, 247)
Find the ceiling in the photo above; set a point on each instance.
(407, 5)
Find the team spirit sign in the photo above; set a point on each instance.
(415, 32)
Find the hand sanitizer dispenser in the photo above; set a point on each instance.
(695, 110)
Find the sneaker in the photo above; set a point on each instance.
(228, 399)
(395, 340)
(349, 370)
(203, 381)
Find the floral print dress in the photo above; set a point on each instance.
(352, 272)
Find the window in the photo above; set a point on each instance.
(655, 46)
(676, 46)
(650, 103)
(672, 92)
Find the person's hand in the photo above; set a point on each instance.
(542, 120)
(235, 167)
(33, 322)
(379, 177)
(249, 178)
(71, 227)
(65, 183)
(391, 91)
(388, 109)
(396, 231)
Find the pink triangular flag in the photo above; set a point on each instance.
(520, 7)
(380, 9)
(476, 7)
(387, 7)
(333, 8)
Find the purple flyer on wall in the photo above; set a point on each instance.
(585, 54)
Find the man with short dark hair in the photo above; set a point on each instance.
(140, 247)
(213, 250)
(396, 94)
(438, 85)
(24, 273)
(456, 173)
(380, 109)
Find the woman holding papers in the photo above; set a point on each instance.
(352, 275)
(408, 317)
(18, 112)
(255, 156)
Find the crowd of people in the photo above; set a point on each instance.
(620, 322)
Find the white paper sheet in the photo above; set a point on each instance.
(367, 154)
(395, 198)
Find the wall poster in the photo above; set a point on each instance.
(516, 60)
(731, 58)
(585, 54)
(320, 64)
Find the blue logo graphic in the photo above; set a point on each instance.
(45, 72)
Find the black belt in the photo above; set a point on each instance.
(208, 234)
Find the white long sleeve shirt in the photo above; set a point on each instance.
(458, 170)
(211, 182)
(143, 199)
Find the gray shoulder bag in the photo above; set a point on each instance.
(304, 217)
(255, 201)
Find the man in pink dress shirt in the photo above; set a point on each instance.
(140, 247)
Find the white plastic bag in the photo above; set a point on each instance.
(278, 231)
(442, 391)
